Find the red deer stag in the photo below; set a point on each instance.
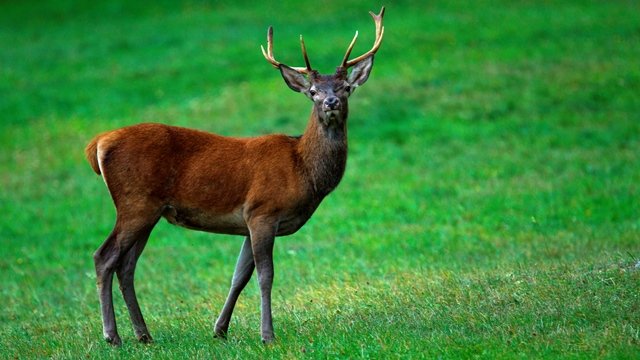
(259, 187)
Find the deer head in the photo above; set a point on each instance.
(329, 93)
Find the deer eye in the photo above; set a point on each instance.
(313, 92)
(347, 88)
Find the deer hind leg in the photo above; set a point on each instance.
(109, 258)
(125, 272)
(105, 259)
(241, 276)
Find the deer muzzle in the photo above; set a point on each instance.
(331, 104)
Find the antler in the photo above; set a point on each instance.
(269, 54)
(346, 63)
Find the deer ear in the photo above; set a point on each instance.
(360, 72)
(296, 81)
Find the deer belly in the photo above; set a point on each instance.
(227, 223)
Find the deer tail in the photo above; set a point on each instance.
(91, 151)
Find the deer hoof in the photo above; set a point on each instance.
(145, 339)
(113, 340)
(220, 334)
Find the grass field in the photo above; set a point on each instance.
(490, 206)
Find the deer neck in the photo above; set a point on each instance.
(323, 149)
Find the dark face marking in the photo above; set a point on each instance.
(330, 94)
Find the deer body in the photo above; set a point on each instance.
(259, 187)
(193, 184)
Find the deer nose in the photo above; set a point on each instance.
(331, 103)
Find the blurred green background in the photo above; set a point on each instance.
(490, 205)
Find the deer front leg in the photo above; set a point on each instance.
(241, 276)
(262, 239)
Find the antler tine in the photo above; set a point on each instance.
(346, 56)
(268, 54)
(304, 54)
(377, 19)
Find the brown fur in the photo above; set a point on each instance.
(192, 176)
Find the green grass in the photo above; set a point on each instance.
(490, 206)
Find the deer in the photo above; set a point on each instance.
(259, 187)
